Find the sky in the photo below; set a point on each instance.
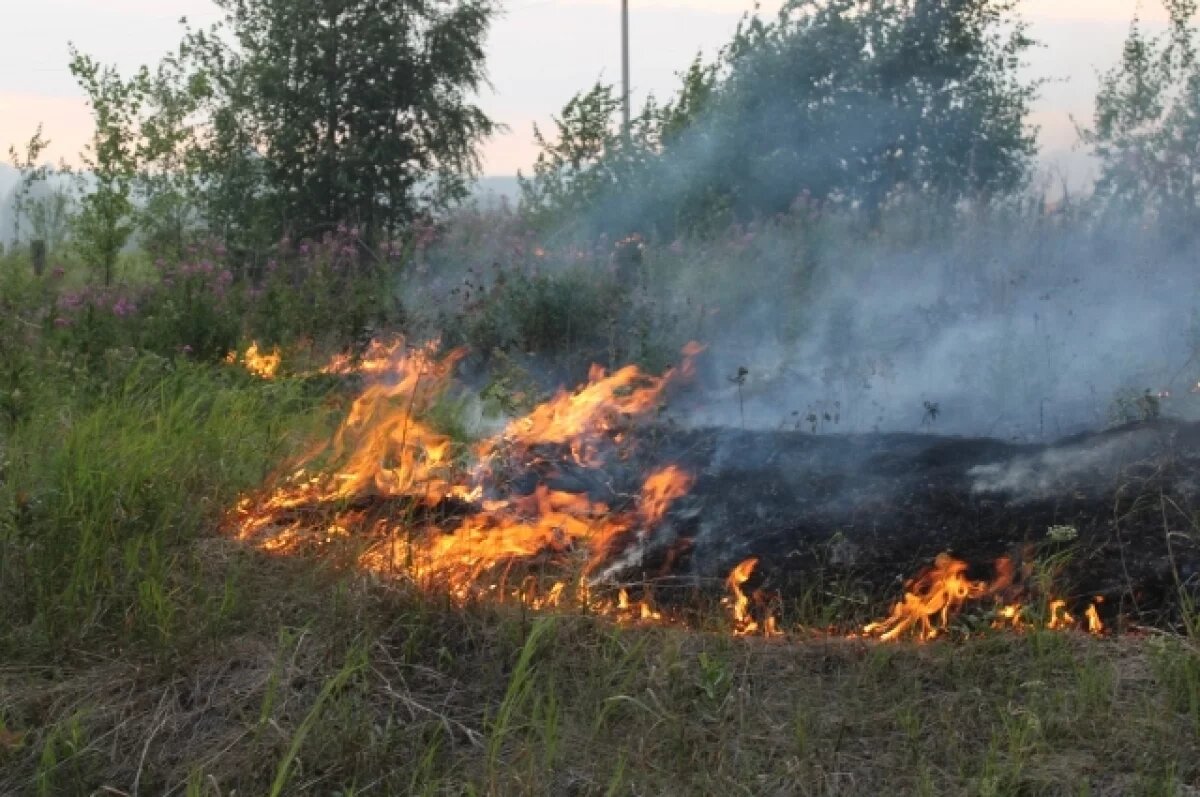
(540, 52)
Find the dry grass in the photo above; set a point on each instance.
(323, 682)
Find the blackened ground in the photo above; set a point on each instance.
(872, 510)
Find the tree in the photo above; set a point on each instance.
(850, 101)
(1146, 124)
(859, 99)
(106, 217)
(589, 162)
(341, 111)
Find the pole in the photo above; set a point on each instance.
(625, 70)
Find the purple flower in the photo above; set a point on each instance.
(123, 308)
(61, 322)
(70, 301)
(304, 249)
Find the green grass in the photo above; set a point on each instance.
(108, 479)
(338, 686)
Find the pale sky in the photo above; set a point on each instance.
(540, 52)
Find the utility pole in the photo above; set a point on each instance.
(625, 70)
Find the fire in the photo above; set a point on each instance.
(447, 515)
(257, 362)
(490, 541)
(937, 594)
(595, 412)
(744, 623)
(1094, 623)
(379, 358)
(661, 489)
(737, 601)
(934, 594)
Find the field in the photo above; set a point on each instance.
(157, 641)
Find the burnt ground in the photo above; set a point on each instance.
(871, 510)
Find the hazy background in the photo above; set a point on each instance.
(540, 53)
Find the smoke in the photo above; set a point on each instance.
(1048, 473)
(1018, 328)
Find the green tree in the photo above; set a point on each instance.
(106, 218)
(38, 200)
(1146, 123)
(860, 99)
(851, 101)
(341, 111)
(588, 162)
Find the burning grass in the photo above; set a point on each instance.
(453, 519)
(146, 656)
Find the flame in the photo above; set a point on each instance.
(935, 593)
(744, 623)
(447, 516)
(661, 489)
(257, 362)
(581, 419)
(379, 358)
(384, 450)
(938, 593)
(1094, 623)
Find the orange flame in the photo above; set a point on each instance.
(384, 449)
(257, 362)
(434, 511)
(939, 592)
(935, 594)
(739, 604)
(661, 489)
(1094, 623)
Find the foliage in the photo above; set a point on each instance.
(835, 101)
(40, 198)
(347, 112)
(1145, 130)
(105, 221)
(589, 162)
(111, 471)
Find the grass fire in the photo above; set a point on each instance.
(412, 504)
(818, 415)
